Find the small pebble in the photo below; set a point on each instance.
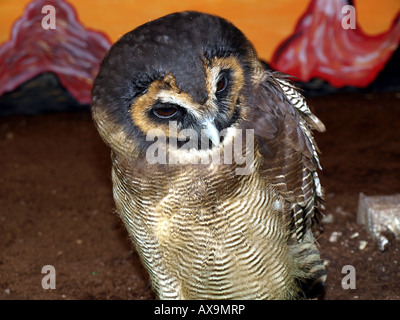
(335, 236)
(327, 219)
(362, 245)
(79, 241)
(354, 235)
(7, 291)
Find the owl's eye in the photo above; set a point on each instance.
(165, 112)
(222, 84)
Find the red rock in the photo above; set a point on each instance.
(321, 48)
(71, 51)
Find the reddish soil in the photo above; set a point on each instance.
(56, 206)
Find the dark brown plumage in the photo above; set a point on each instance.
(210, 218)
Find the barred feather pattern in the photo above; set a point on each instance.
(291, 154)
(308, 119)
(208, 235)
(303, 214)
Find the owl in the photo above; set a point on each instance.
(214, 165)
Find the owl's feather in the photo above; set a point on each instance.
(290, 159)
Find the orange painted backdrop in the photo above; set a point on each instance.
(266, 23)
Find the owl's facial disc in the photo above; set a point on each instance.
(165, 106)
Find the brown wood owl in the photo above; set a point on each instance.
(214, 163)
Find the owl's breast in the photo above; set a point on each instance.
(204, 235)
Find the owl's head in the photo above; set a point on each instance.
(186, 74)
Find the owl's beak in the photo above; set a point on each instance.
(211, 131)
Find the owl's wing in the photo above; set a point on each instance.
(282, 123)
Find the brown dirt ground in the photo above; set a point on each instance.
(56, 206)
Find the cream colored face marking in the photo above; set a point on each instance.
(168, 96)
(167, 91)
